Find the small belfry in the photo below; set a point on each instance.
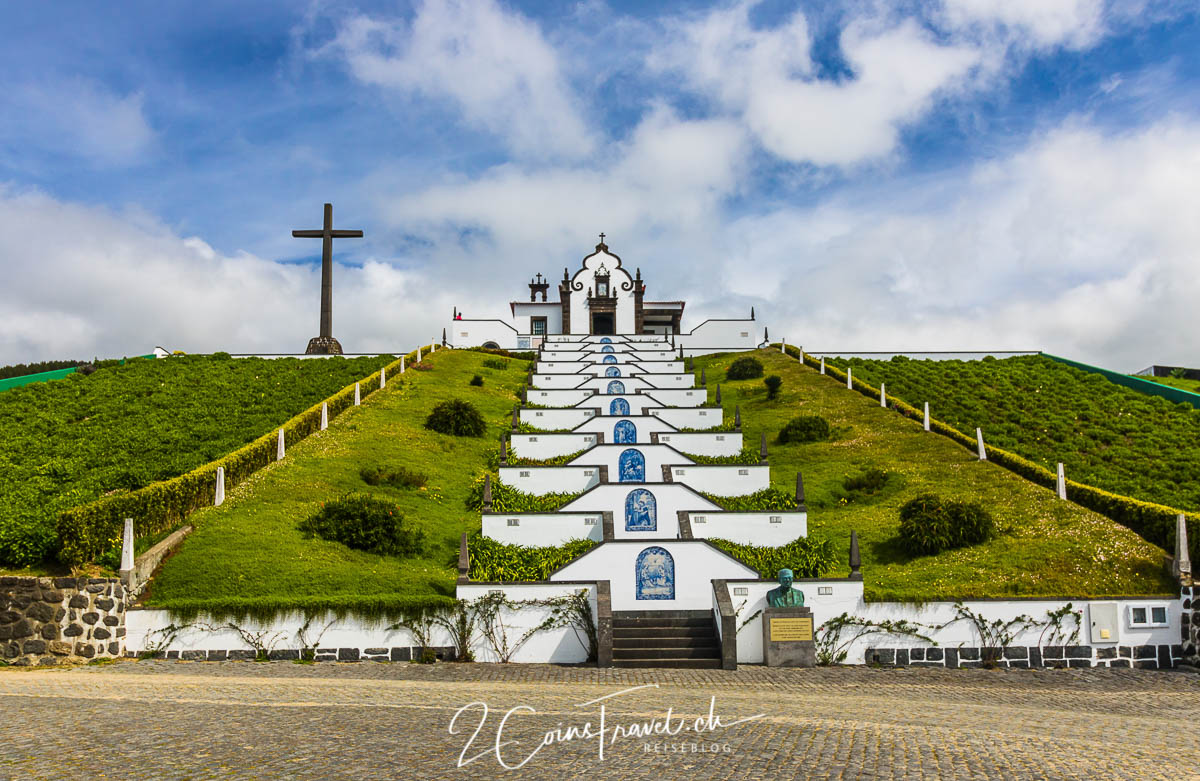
(325, 344)
(600, 298)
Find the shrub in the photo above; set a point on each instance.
(773, 383)
(745, 368)
(477, 381)
(759, 501)
(491, 560)
(806, 557)
(495, 363)
(805, 428)
(868, 482)
(364, 523)
(930, 524)
(457, 418)
(394, 476)
(506, 499)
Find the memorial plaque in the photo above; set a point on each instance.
(791, 629)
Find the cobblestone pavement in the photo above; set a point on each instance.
(166, 719)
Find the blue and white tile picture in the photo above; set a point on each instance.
(616, 386)
(641, 511)
(609, 359)
(612, 371)
(608, 348)
(624, 432)
(632, 466)
(606, 340)
(655, 574)
(618, 407)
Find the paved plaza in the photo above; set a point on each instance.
(169, 719)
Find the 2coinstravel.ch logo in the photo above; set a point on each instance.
(606, 730)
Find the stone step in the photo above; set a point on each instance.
(662, 614)
(695, 652)
(665, 641)
(675, 663)
(619, 622)
(663, 631)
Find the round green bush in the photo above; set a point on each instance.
(745, 368)
(477, 381)
(365, 523)
(773, 383)
(457, 418)
(805, 428)
(930, 524)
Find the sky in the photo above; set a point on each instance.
(891, 176)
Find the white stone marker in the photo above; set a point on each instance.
(280, 446)
(402, 364)
(127, 546)
(927, 416)
(1062, 482)
(979, 440)
(219, 497)
(382, 377)
(883, 395)
(418, 355)
(432, 347)
(1183, 562)
(324, 416)
(849, 378)
(357, 395)
(783, 345)
(822, 364)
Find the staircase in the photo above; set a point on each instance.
(665, 638)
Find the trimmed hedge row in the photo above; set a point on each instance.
(89, 530)
(1154, 522)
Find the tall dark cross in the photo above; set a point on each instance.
(325, 343)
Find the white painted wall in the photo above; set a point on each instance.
(846, 597)
(670, 380)
(568, 417)
(723, 480)
(656, 456)
(559, 398)
(475, 333)
(750, 528)
(524, 311)
(691, 417)
(560, 381)
(679, 398)
(559, 646)
(714, 336)
(645, 425)
(542, 529)
(638, 403)
(726, 443)
(600, 384)
(539, 446)
(550, 479)
(696, 564)
(584, 279)
(669, 497)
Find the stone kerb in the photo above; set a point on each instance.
(47, 621)
(1153, 657)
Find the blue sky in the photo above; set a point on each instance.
(869, 175)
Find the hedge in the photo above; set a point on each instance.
(89, 530)
(1154, 522)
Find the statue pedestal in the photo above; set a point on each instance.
(323, 345)
(788, 637)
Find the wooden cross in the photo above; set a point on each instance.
(327, 234)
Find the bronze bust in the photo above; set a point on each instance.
(785, 595)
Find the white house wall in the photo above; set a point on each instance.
(541, 480)
(724, 479)
(694, 417)
(691, 397)
(558, 398)
(696, 564)
(476, 333)
(568, 417)
(721, 336)
(727, 443)
(756, 528)
(541, 529)
(542, 446)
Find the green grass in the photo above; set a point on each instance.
(247, 555)
(1174, 382)
(1048, 547)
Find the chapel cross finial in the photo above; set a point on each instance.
(601, 238)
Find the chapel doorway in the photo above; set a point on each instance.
(603, 323)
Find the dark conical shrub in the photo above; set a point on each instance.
(745, 368)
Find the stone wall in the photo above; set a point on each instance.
(1152, 657)
(45, 621)
(1190, 623)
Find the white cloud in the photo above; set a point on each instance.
(1039, 23)
(766, 76)
(494, 65)
(83, 282)
(77, 118)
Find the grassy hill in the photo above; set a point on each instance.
(248, 556)
(1050, 548)
(70, 441)
(1108, 436)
